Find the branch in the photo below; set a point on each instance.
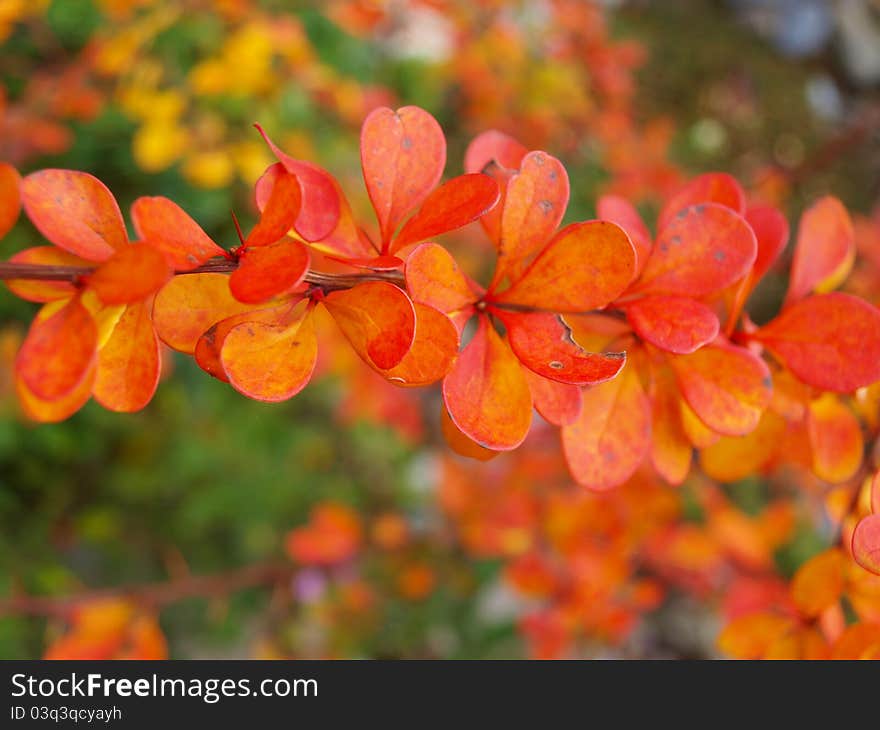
(155, 595)
(328, 282)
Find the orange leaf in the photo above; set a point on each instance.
(835, 439)
(189, 304)
(321, 199)
(44, 291)
(829, 341)
(76, 211)
(279, 213)
(130, 275)
(534, 204)
(433, 278)
(670, 447)
(866, 543)
(728, 387)
(207, 349)
(271, 362)
(164, 224)
(584, 267)
(10, 197)
(713, 187)
(453, 205)
(825, 249)
(58, 352)
(702, 250)
(608, 442)
(433, 351)
(732, 458)
(620, 211)
(461, 444)
(544, 344)
(52, 411)
(129, 362)
(403, 154)
(378, 319)
(672, 323)
(486, 392)
(819, 582)
(771, 233)
(558, 403)
(266, 271)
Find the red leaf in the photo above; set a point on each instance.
(544, 344)
(10, 197)
(866, 543)
(493, 146)
(453, 205)
(713, 187)
(702, 250)
(486, 393)
(378, 319)
(76, 211)
(608, 442)
(620, 211)
(584, 267)
(129, 362)
(44, 291)
(433, 351)
(771, 234)
(825, 249)
(829, 341)
(271, 362)
(675, 324)
(728, 387)
(164, 224)
(130, 275)
(403, 154)
(558, 403)
(433, 278)
(279, 213)
(58, 352)
(321, 198)
(265, 272)
(534, 204)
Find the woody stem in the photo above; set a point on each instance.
(328, 282)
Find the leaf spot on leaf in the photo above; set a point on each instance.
(556, 365)
(406, 143)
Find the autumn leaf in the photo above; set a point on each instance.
(819, 582)
(165, 225)
(434, 278)
(10, 197)
(825, 249)
(433, 350)
(835, 439)
(584, 267)
(620, 211)
(131, 274)
(866, 543)
(59, 350)
(403, 154)
(486, 393)
(728, 387)
(830, 341)
(76, 211)
(452, 205)
(673, 323)
(129, 362)
(267, 271)
(712, 187)
(557, 403)
(608, 442)
(701, 250)
(279, 213)
(544, 344)
(377, 318)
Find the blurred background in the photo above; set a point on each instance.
(337, 524)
